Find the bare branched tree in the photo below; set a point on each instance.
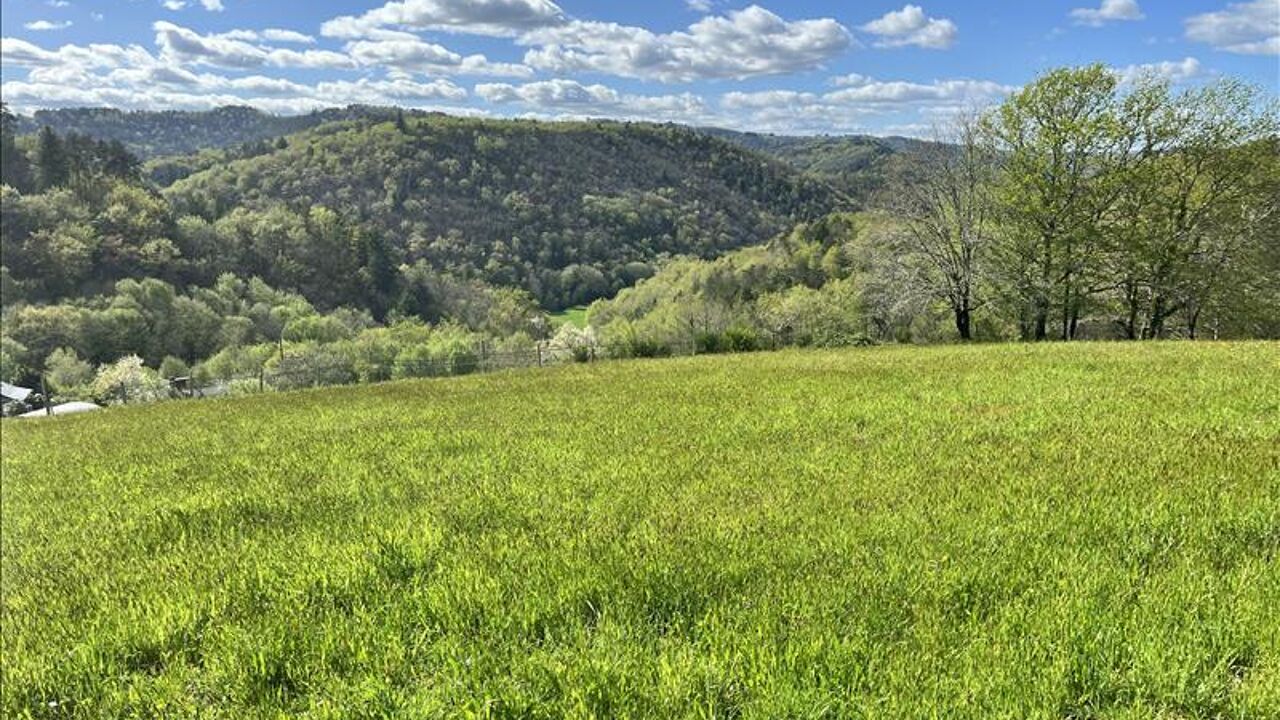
(945, 204)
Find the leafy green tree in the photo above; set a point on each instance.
(172, 367)
(1060, 139)
(67, 374)
(12, 360)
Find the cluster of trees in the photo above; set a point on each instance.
(828, 283)
(1081, 207)
(55, 161)
(1086, 207)
(239, 329)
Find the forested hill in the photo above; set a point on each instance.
(855, 163)
(569, 211)
(859, 165)
(150, 134)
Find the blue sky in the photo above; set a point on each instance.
(815, 66)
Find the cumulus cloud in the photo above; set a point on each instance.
(44, 25)
(413, 54)
(17, 51)
(860, 90)
(272, 34)
(228, 50)
(131, 77)
(1173, 71)
(1109, 11)
(858, 100)
(500, 18)
(744, 43)
(1251, 28)
(911, 26)
(571, 99)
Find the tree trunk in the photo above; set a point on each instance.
(964, 323)
(1155, 324)
(1042, 323)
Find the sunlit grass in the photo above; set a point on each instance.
(1015, 531)
(576, 316)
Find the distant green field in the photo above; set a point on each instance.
(1055, 531)
(576, 315)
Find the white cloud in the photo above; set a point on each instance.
(549, 93)
(478, 17)
(174, 5)
(212, 5)
(860, 104)
(910, 26)
(1251, 28)
(852, 79)
(1109, 11)
(17, 51)
(273, 34)
(702, 6)
(229, 51)
(571, 99)
(860, 90)
(57, 3)
(185, 44)
(744, 43)
(1173, 71)
(412, 54)
(48, 25)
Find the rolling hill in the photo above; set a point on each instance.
(514, 202)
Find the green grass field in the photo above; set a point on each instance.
(1057, 531)
(577, 316)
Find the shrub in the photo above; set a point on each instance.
(68, 376)
(127, 380)
(310, 366)
(172, 367)
(740, 338)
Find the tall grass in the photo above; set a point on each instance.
(1063, 531)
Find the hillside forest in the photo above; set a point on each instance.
(367, 243)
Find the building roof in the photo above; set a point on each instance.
(14, 392)
(70, 408)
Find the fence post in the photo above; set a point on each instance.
(262, 371)
(44, 393)
(539, 353)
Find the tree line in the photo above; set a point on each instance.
(1084, 206)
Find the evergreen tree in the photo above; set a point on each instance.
(52, 167)
(15, 169)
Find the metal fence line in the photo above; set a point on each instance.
(355, 371)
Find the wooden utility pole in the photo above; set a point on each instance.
(44, 393)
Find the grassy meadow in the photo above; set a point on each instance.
(576, 316)
(1052, 531)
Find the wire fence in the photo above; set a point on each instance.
(296, 369)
